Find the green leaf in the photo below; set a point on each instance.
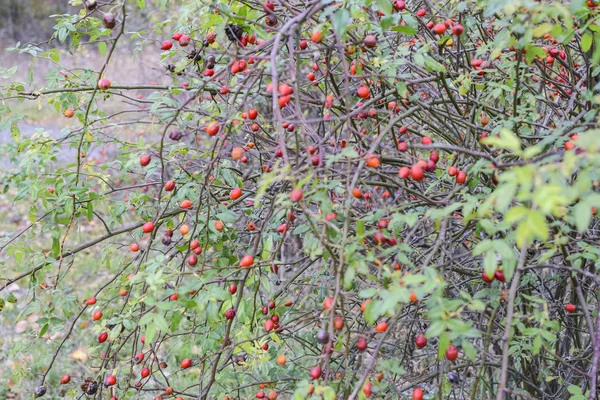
(329, 394)
(443, 345)
(150, 333)
(490, 264)
(532, 52)
(583, 216)
(542, 29)
(402, 89)
(102, 48)
(43, 330)
(385, 6)
(404, 29)
(15, 133)
(275, 337)
(516, 213)
(175, 320)
(55, 246)
(432, 65)
(537, 344)
(340, 21)
(586, 41)
(537, 223)
(141, 4)
(574, 389)
(90, 210)
(372, 312)
(469, 350)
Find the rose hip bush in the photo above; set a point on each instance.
(358, 199)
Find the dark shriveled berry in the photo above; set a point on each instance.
(175, 135)
(234, 32)
(322, 336)
(110, 21)
(39, 391)
(89, 387)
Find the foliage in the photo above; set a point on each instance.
(405, 170)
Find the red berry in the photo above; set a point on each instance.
(148, 227)
(361, 344)
(452, 353)
(486, 278)
(230, 314)
(439, 29)
(458, 29)
(213, 128)
(296, 195)
(315, 373)
(184, 40)
(169, 186)
(499, 275)
(404, 172)
(418, 394)
(247, 261)
(421, 341)
(235, 194)
(102, 337)
(145, 372)
(269, 325)
(233, 288)
(103, 84)
(416, 172)
(110, 380)
(364, 92)
(166, 45)
(96, 315)
(186, 363)
(145, 160)
(570, 307)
